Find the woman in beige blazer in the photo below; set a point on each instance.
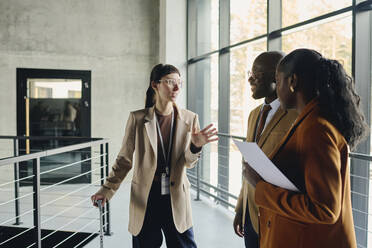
(165, 141)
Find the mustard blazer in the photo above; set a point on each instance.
(141, 139)
(314, 156)
(271, 136)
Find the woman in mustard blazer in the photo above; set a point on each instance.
(314, 155)
(165, 141)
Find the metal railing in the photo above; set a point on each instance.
(197, 182)
(204, 187)
(88, 144)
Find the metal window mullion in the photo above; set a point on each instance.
(274, 22)
(192, 20)
(224, 24)
(224, 49)
(362, 64)
(224, 94)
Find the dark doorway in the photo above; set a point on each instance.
(54, 103)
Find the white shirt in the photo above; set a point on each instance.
(274, 107)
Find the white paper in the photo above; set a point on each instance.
(257, 159)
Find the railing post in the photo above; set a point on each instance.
(108, 229)
(16, 182)
(198, 182)
(102, 165)
(36, 198)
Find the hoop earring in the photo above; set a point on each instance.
(291, 88)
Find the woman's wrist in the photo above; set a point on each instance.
(194, 148)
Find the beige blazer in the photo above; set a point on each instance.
(271, 136)
(141, 139)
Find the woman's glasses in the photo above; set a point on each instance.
(173, 82)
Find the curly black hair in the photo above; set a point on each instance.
(327, 80)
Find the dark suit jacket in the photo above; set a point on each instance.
(314, 156)
(270, 138)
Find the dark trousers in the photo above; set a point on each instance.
(250, 235)
(159, 218)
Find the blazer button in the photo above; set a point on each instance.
(268, 224)
(172, 183)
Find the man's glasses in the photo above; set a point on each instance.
(173, 82)
(259, 75)
(255, 76)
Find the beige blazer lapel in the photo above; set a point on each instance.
(179, 138)
(273, 122)
(252, 125)
(150, 125)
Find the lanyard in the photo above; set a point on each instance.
(166, 158)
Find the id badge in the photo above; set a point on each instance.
(164, 184)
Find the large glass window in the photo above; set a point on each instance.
(331, 37)
(295, 11)
(248, 19)
(203, 27)
(327, 26)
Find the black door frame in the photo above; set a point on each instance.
(25, 73)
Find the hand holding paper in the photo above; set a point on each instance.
(257, 160)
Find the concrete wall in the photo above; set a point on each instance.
(118, 40)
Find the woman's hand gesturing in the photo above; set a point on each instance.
(204, 136)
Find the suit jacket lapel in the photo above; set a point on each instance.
(273, 122)
(179, 138)
(150, 125)
(252, 125)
